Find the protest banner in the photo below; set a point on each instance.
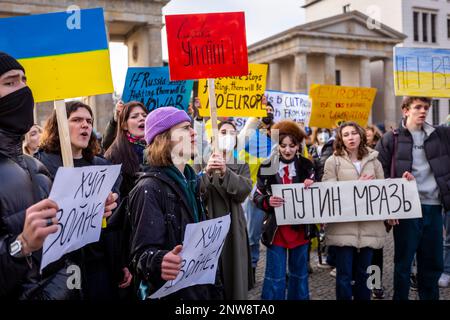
(343, 201)
(152, 87)
(202, 245)
(207, 45)
(80, 194)
(65, 55)
(286, 105)
(236, 96)
(423, 72)
(332, 105)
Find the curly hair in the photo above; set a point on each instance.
(339, 147)
(377, 134)
(50, 137)
(121, 150)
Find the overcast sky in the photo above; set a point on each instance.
(263, 18)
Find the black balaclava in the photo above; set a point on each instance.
(16, 112)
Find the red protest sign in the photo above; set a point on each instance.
(208, 45)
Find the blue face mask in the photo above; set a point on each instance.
(323, 137)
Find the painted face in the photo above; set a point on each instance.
(351, 138)
(183, 139)
(227, 138)
(11, 81)
(288, 148)
(80, 128)
(136, 122)
(323, 136)
(417, 112)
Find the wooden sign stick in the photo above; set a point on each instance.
(213, 114)
(63, 130)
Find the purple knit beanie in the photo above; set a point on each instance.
(161, 120)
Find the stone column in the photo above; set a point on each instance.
(144, 46)
(330, 69)
(364, 77)
(274, 76)
(390, 111)
(300, 72)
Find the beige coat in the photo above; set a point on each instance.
(362, 234)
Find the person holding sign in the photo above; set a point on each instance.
(354, 241)
(417, 150)
(26, 216)
(165, 199)
(223, 194)
(111, 128)
(286, 166)
(101, 277)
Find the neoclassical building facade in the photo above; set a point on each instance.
(344, 49)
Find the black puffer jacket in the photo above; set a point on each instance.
(159, 214)
(17, 193)
(304, 169)
(437, 150)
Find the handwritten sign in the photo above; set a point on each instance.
(237, 96)
(80, 194)
(153, 88)
(208, 45)
(65, 54)
(202, 245)
(286, 105)
(326, 202)
(422, 72)
(332, 105)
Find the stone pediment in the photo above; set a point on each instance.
(351, 24)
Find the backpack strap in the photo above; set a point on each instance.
(394, 153)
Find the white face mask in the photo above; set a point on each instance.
(323, 137)
(227, 142)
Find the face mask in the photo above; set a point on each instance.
(268, 119)
(227, 143)
(323, 137)
(16, 111)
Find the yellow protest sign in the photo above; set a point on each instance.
(332, 105)
(236, 96)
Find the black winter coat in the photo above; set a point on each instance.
(304, 169)
(437, 150)
(17, 193)
(159, 215)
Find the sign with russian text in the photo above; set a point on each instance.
(202, 245)
(81, 195)
(207, 45)
(345, 201)
(423, 72)
(332, 105)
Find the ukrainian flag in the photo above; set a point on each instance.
(63, 57)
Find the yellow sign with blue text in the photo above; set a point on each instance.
(236, 96)
(65, 54)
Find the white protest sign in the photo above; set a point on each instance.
(327, 202)
(202, 245)
(80, 194)
(286, 105)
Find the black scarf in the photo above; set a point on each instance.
(16, 111)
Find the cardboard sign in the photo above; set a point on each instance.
(65, 55)
(202, 245)
(332, 105)
(422, 72)
(80, 194)
(208, 45)
(343, 201)
(237, 96)
(293, 106)
(153, 88)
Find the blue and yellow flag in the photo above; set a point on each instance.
(61, 59)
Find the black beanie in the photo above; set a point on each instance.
(8, 63)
